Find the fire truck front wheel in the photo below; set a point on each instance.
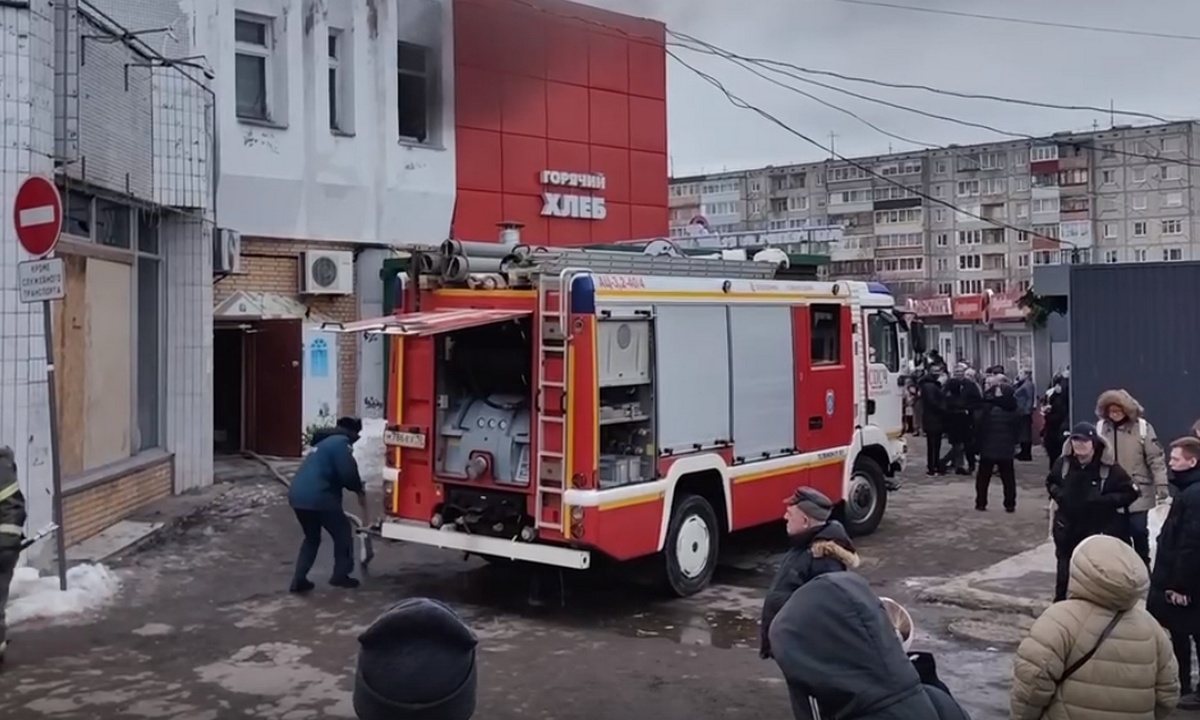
(691, 546)
(866, 498)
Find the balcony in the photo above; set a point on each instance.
(994, 236)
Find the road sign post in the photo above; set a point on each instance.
(37, 218)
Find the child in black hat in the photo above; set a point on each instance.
(416, 662)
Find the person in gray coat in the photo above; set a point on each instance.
(842, 657)
(1025, 393)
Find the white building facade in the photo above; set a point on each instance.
(336, 122)
(313, 144)
(100, 101)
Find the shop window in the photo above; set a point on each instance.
(826, 334)
(149, 352)
(112, 224)
(108, 335)
(77, 215)
(147, 237)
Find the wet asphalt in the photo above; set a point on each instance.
(204, 628)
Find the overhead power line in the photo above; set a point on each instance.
(750, 69)
(781, 69)
(926, 88)
(739, 102)
(1024, 21)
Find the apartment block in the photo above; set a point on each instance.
(717, 201)
(966, 220)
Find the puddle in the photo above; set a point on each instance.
(718, 629)
(723, 616)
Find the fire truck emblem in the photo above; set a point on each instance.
(829, 402)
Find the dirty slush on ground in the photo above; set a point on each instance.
(204, 628)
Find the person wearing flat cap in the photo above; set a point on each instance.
(416, 662)
(1091, 494)
(819, 545)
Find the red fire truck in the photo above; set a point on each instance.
(551, 406)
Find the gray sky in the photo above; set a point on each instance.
(1057, 65)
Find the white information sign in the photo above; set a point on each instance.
(42, 280)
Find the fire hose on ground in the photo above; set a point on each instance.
(362, 534)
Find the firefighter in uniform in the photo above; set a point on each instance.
(12, 531)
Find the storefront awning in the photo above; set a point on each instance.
(248, 305)
(426, 323)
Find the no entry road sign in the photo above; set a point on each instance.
(37, 215)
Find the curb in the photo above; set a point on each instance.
(961, 594)
(168, 524)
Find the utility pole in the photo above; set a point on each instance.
(832, 145)
(1112, 114)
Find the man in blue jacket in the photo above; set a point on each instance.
(316, 497)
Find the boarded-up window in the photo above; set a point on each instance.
(93, 342)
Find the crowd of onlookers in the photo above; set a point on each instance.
(1116, 644)
(1119, 640)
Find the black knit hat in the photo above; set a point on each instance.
(416, 662)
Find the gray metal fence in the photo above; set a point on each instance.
(1137, 327)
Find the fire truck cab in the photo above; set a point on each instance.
(552, 406)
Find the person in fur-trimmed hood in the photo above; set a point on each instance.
(1133, 444)
(820, 545)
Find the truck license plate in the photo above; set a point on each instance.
(395, 438)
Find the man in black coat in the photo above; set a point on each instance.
(962, 401)
(1091, 496)
(819, 546)
(996, 431)
(933, 420)
(1174, 598)
(1056, 410)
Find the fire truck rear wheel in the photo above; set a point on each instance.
(691, 548)
(866, 498)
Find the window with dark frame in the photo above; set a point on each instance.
(826, 334)
(414, 79)
(335, 81)
(113, 226)
(252, 43)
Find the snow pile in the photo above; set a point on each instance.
(369, 451)
(31, 597)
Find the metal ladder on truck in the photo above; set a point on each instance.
(553, 339)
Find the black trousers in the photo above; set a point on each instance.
(1062, 571)
(933, 451)
(1182, 644)
(334, 522)
(1053, 452)
(1008, 480)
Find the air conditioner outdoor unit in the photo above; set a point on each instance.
(327, 272)
(227, 251)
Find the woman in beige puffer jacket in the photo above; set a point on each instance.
(1131, 676)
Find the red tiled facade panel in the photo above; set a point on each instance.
(569, 88)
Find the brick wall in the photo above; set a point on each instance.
(274, 266)
(92, 508)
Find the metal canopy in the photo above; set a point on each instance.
(251, 305)
(427, 323)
